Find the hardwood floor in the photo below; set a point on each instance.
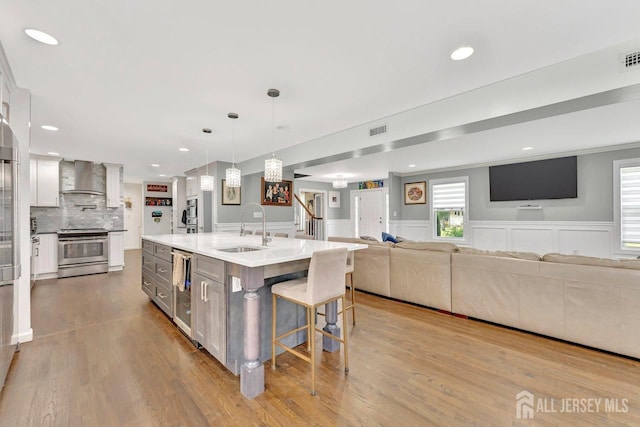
(103, 355)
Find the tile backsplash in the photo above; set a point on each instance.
(73, 212)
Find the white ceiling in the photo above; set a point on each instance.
(131, 82)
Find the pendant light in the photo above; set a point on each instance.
(273, 166)
(233, 173)
(206, 180)
(340, 182)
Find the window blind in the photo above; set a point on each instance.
(450, 196)
(630, 205)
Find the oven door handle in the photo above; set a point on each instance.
(81, 240)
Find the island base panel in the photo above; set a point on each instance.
(331, 317)
(252, 380)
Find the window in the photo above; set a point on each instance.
(449, 204)
(627, 203)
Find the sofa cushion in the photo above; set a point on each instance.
(427, 246)
(631, 264)
(369, 238)
(401, 239)
(474, 251)
(531, 256)
(386, 237)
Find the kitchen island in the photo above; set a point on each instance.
(240, 263)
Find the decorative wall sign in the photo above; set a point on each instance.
(158, 201)
(366, 185)
(157, 188)
(415, 193)
(276, 193)
(230, 195)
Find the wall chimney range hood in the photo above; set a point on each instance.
(83, 182)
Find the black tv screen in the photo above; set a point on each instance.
(541, 179)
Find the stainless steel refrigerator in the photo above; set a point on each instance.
(9, 239)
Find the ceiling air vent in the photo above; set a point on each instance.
(630, 60)
(377, 131)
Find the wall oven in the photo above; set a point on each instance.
(83, 251)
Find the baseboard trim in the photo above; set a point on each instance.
(26, 336)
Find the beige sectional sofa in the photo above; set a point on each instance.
(589, 301)
(417, 272)
(585, 300)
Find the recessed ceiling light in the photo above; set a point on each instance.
(155, 165)
(53, 153)
(527, 148)
(462, 53)
(41, 36)
(183, 149)
(48, 127)
(162, 174)
(412, 166)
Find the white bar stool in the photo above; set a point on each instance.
(323, 284)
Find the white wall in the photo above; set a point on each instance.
(163, 226)
(133, 215)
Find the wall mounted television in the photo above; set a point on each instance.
(537, 180)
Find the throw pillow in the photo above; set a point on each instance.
(372, 239)
(386, 237)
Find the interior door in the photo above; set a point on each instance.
(370, 215)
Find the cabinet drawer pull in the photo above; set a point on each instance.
(146, 283)
(161, 295)
(147, 262)
(206, 293)
(162, 270)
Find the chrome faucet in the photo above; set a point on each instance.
(265, 239)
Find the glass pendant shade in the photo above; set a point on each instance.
(273, 169)
(233, 176)
(206, 183)
(340, 182)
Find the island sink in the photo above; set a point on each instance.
(237, 249)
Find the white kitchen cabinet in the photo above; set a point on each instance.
(114, 195)
(116, 250)
(179, 187)
(46, 255)
(33, 181)
(5, 99)
(45, 181)
(192, 183)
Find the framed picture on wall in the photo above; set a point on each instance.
(334, 199)
(415, 193)
(276, 193)
(230, 195)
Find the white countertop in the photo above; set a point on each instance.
(279, 249)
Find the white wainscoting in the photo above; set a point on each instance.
(411, 230)
(339, 228)
(591, 238)
(272, 227)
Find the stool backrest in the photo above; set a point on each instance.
(326, 274)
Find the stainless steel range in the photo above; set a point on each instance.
(83, 251)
